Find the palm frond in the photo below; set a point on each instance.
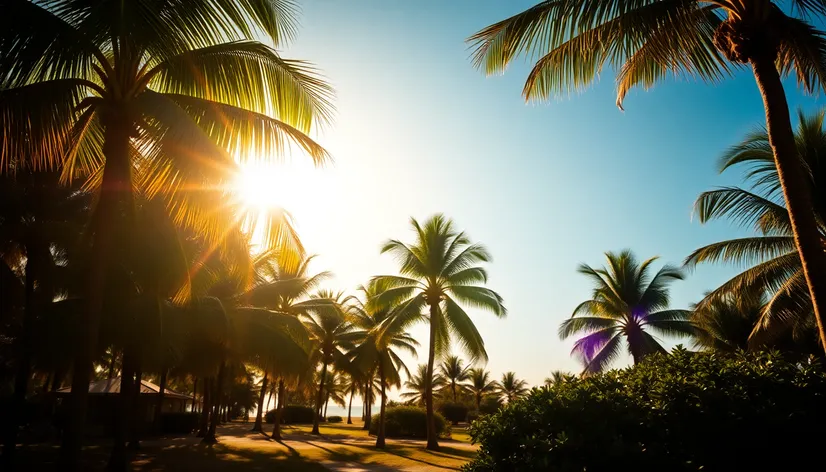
(579, 324)
(480, 297)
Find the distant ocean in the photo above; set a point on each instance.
(335, 410)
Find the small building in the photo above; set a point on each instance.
(103, 402)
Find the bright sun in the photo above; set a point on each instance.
(263, 186)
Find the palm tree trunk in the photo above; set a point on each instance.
(21, 380)
(206, 406)
(111, 374)
(478, 402)
(319, 397)
(115, 197)
(432, 442)
(118, 460)
(453, 387)
(326, 404)
(259, 415)
(279, 407)
(159, 404)
(368, 401)
(138, 410)
(380, 432)
(210, 437)
(350, 408)
(194, 392)
(796, 187)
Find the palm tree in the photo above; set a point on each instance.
(557, 377)
(417, 386)
(378, 349)
(775, 264)
(479, 384)
(438, 272)
(626, 301)
(39, 222)
(330, 327)
(140, 96)
(726, 323)
(453, 370)
(644, 41)
(511, 388)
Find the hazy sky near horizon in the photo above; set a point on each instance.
(544, 186)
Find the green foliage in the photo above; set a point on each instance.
(489, 405)
(334, 419)
(409, 422)
(686, 411)
(292, 414)
(454, 412)
(179, 423)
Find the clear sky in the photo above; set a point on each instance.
(544, 186)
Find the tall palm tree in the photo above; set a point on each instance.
(726, 323)
(330, 327)
(775, 264)
(453, 370)
(39, 222)
(154, 98)
(511, 388)
(438, 272)
(417, 386)
(627, 300)
(379, 347)
(479, 384)
(709, 39)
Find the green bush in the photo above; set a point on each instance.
(489, 405)
(454, 412)
(409, 422)
(334, 419)
(292, 414)
(179, 422)
(686, 411)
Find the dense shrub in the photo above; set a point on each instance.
(334, 419)
(686, 411)
(454, 412)
(408, 422)
(489, 405)
(292, 414)
(472, 415)
(179, 423)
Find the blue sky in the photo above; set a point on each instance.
(544, 186)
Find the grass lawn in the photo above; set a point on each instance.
(340, 447)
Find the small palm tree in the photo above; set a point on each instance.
(330, 327)
(776, 266)
(438, 272)
(557, 377)
(511, 388)
(479, 384)
(726, 323)
(645, 41)
(417, 386)
(382, 340)
(626, 301)
(454, 371)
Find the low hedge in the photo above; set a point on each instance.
(292, 414)
(409, 422)
(179, 422)
(681, 412)
(334, 419)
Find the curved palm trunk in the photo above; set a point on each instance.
(21, 380)
(380, 434)
(796, 188)
(319, 398)
(326, 405)
(279, 407)
(350, 408)
(159, 405)
(210, 437)
(432, 440)
(259, 415)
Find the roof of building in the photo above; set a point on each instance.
(113, 386)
